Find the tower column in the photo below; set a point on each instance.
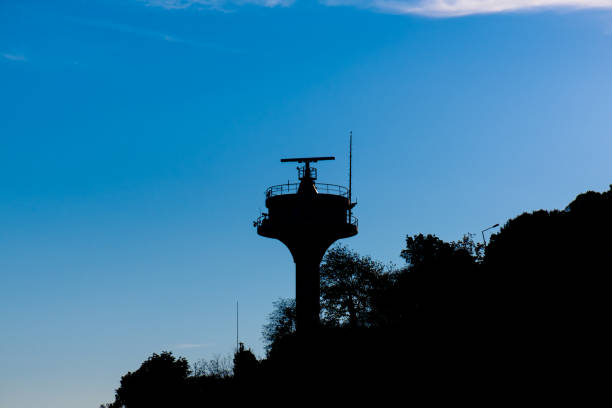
(307, 293)
(308, 252)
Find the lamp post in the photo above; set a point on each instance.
(486, 229)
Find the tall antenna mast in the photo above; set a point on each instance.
(237, 344)
(350, 164)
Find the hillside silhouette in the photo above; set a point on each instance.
(522, 319)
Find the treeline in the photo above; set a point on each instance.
(526, 315)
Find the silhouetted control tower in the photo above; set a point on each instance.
(307, 217)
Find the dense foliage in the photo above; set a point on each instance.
(524, 315)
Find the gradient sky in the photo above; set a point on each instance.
(138, 137)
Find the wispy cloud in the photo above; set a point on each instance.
(14, 57)
(190, 345)
(216, 4)
(143, 32)
(432, 8)
(456, 8)
(124, 28)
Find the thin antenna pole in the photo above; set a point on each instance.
(350, 173)
(237, 326)
(350, 164)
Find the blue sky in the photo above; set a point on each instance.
(138, 137)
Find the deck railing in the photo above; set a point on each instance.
(264, 216)
(292, 188)
(282, 189)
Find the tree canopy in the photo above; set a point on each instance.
(160, 381)
(348, 286)
(455, 314)
(281, 322)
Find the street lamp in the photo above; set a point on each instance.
(486, 229)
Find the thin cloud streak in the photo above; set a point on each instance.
(216, 4)
(457, 8)
(431, 8)
(14, 57)
(183, 346)
(124, 28)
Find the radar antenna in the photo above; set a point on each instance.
(307, 159)
(306, 171)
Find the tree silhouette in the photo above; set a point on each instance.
(548, 268)
(348, 285)
(546, 274)
(160, 381)
(217, 368)
(437, 282)
(281, 322)
(532, 308)
(245, 364)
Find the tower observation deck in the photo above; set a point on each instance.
(308, 217)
